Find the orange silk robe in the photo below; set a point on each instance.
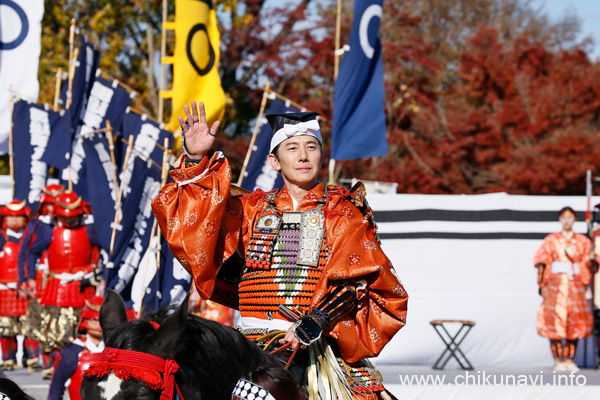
(564, 312)
(204, 225)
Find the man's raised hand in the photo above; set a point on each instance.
(198, 138)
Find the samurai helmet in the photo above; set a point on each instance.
(69, 204)
(16, 207)
(51, 193)
(91, 310)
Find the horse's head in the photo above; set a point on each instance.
(139, 359)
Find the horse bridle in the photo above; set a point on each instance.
(127, 364)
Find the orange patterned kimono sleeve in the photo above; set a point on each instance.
(543, 255)
(199, 219)
(584, 248)
(355, 254)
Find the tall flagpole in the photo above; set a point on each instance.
(11, 159)
(163, 182)
(263, 104)
(163, 51)
(111, 148)
(336, 67)
(56, 106)
(71, 62)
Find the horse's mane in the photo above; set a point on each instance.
(211, 356)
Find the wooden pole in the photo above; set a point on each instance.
(111, 147)
(11, 159)
(117, 219)
(143, 156)
(72, 58)
(338, 28)
(263, 104)
(57, 87)
(163, 52)
(336, 67)
(163, 182)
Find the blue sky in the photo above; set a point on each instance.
(587, 10)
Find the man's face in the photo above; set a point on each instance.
(71, 221)
(93, 328)
(299, 158)
(16, 222)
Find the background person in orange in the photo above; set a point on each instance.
(312, 272)
(564, 317)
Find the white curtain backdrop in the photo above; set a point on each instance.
(490, 281)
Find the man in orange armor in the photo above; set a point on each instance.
(72, 260)
(13, 308)
(313, 273)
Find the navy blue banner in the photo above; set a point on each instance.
(259, 174)
(169, 285)
(107, 101)
(359, 129)
(141, 183)
(102, 194)
(33, 126)
(85, 69)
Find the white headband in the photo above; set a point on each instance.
(251, 391)
(310, 128)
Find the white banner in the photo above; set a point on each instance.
(20, 46)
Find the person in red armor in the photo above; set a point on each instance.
(78, 355)
(72, 257)
(13, 308)
(31, 288)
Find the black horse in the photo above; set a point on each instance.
(211, 357)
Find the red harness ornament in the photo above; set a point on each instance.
(127, 364)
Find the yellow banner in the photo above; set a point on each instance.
(196, 61)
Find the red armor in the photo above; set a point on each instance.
(8, 263)
(86, 357)
(70, 252)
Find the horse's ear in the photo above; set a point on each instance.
(166, 337)
(112, 312)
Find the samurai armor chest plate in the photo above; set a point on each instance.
(70, 250)
(312, 229)
(8, 262)
(286, 281)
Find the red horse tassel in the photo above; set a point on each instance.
(127, 364)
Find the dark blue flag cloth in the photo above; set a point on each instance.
(33, 126)
(141, 183)
(259, 174)
(358, 114)
(85, 71)
(168, 286)
(102, 194)
(59, 145)
(107, 101)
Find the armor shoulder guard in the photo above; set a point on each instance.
(357, 195)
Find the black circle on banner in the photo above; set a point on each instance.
(211, 51)
(24, 26)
